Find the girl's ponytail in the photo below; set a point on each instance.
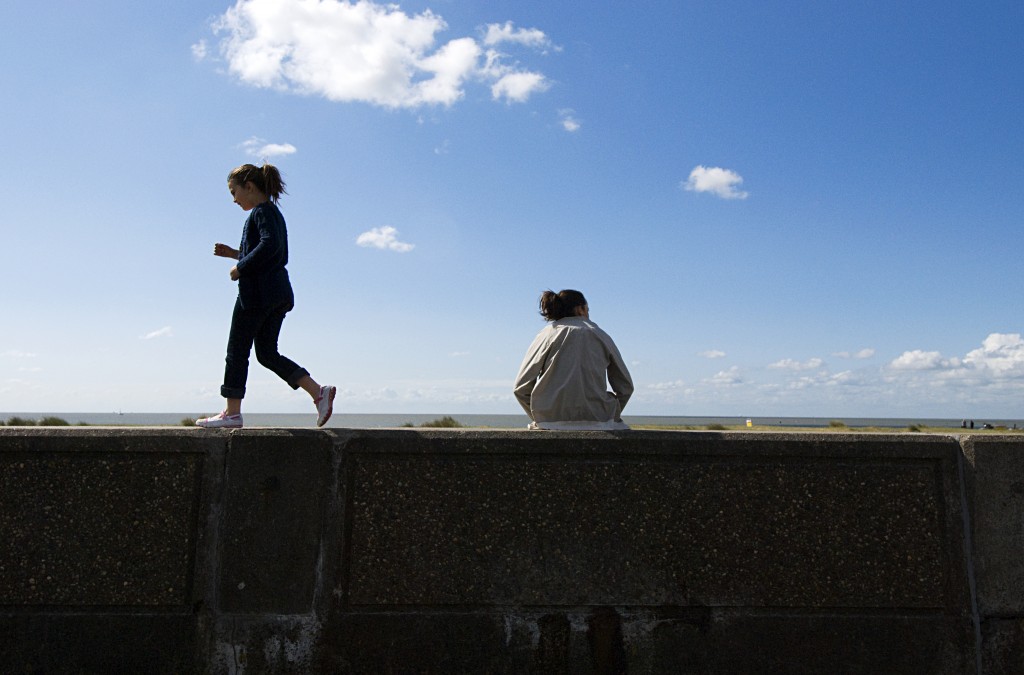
(273, 183)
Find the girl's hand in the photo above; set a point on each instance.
(234, 273)
(225, 251)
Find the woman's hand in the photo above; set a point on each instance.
(234, 273)
(225, 251)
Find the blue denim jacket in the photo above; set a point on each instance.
(263, 254)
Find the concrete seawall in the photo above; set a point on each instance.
(448, 551)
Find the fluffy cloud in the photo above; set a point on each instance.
(726, 378)
(529, 37)
(986, 381)
(385, 238)
(790, 364)
(1002, 354)
(368, 52)
(257, 147)
(569, 122)
(921, 360)
(719, 182)
(517, 87)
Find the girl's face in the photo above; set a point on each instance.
(246, 195)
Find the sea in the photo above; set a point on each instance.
(391, 420)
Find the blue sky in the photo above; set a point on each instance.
(775, 208)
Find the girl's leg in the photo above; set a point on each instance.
(310, 386)
(236, 369)
(289, 371)
(266, 348)
(244, 327)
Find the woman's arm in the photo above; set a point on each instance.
(530, 369)
(618, 375)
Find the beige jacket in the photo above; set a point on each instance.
(563, 381)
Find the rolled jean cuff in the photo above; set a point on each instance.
(232, 392)
(293, 379)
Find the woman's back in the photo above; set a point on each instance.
(563, 380)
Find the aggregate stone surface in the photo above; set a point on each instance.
(481, 529)
(99, 527)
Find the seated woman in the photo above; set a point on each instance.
(563, 382)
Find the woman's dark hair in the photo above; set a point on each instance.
(266, 178)
(555, 306)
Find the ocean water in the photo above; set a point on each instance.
(377, 421)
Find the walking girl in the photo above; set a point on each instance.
(264, 297)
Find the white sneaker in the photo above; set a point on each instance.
(221, 421)
(325, 404)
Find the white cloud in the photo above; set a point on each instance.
(1000, 353)
(162, 332)
(257, 147)
(529, 37)
(368, 52)
(790, 364)
(519, 86)
(384, 238)
(568, 120)
(921, 360)
(721, 182)
(712, 354)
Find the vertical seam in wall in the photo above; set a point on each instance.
(346, 484)
(965, 514)
(214, 483)
(218, 505)
(320, 605)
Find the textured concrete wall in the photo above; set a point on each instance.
(994, 479)
(434, 551)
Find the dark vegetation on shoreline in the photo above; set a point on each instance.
(449, 422)
(49, 421)
(446, 422)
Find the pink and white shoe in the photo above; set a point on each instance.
(325, 404)
(221, 420)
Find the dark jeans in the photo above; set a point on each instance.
(259, 326)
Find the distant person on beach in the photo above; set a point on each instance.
(564, 379)
(264, 297)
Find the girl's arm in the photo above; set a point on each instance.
(225, 251)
